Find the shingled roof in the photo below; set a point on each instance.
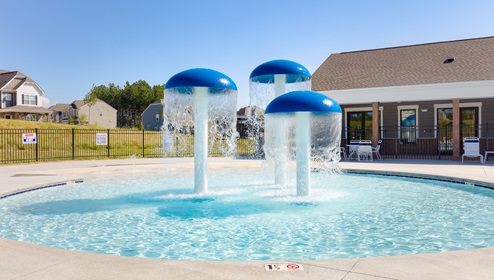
(6, 76)
(441, 62)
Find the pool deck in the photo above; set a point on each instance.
(20, 260)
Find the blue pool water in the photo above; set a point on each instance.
(246, 217)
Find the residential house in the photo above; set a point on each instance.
(152, 117)
(414, 91)
(20, 97)
(250, 121)
(98, 113)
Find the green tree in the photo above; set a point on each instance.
(130, 101)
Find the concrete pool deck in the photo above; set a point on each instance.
(20, 260)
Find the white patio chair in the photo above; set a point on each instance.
(376, 149)
(364, 150)
(343, 154)
(471, 147)
(353, 149)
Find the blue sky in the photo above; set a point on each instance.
(69, 46)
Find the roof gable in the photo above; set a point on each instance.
(408, 65)
(6, 77)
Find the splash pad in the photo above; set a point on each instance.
(152, 211)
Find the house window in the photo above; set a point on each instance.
(408, 121)
(157, 117)
(408, 125)
(358, 122)
(8, 97)
(29, 99)
(470, 122)
(31, 117)
(359, 125)
(100, 113)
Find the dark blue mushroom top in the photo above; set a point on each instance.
(294, 72)
(200, 77)
(303, 101)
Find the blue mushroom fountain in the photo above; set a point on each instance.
(315, 119)
(197, 101)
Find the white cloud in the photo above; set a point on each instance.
(45, 102)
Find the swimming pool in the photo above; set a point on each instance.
(246, 217)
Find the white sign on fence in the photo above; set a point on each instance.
(28, 138)
(167, 142)
(101, 139)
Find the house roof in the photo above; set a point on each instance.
(60, 107)
(78, 104)
(250, 111)
(432, 63)
(6, 76)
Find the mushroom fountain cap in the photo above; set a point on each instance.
(303, 101)
(265, 72)
(200, 77)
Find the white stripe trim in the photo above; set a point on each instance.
(443, 91)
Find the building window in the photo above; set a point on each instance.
(358, 121)
(31, 117)
(157, 117)
(408, 125)
(8, 97)
(359, 125)
(470, 123)
(100, 113)
(29, 99)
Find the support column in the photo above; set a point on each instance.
(375, 123)
(201, 108)
(456, 129)
(303, 152)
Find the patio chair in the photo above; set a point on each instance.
(375, 150)
(343, 154)
(364, 150)
(353, 149)
(471, 148)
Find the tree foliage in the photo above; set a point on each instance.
(130, 101)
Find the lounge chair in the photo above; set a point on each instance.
(471, 148)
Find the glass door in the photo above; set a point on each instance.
(469, 120)
(359, 125)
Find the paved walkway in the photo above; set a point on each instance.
(26, 261)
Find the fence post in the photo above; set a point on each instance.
(73, 143)
(108, 144)
(143, 143)
(438, 141)
(37, 147)
(397, 133)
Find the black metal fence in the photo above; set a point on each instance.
(30, 145)
(421, 142)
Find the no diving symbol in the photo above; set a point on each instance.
(293, 266)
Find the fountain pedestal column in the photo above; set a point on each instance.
(280, 160)
(303, 152)
(200, 139)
